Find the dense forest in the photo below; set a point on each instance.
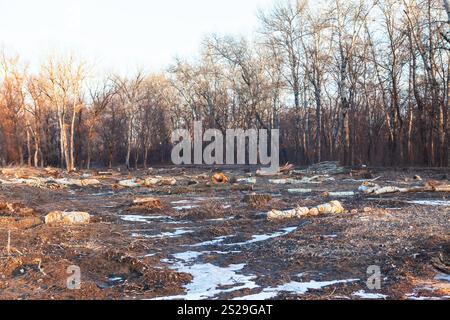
(360, 81)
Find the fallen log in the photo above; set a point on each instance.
(307, 180)
(389, 189)
(437, 186)
(19, 222)
(149, 182)
(105, 173)
(333, 207)
(55, 183)
(286, 168)
(371, 188)
(339, 194)
(131, 183)
(67, 217)
(442, 188)
(146, 204)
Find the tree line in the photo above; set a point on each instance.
(360, 81)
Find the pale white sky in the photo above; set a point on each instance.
(120, 35)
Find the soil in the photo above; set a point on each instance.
(204, 240)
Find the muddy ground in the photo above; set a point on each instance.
(203, 241)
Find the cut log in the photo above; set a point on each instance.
(307, 180)
(391, 189)
(161, 181)
(105, 173)
(219, 178)
(333, 207)
(339, 194)
(131, 183)
(60, 217)
(431, 186)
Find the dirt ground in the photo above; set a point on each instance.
(200, 240)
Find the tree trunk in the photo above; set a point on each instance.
(72, 141)
(130, 139)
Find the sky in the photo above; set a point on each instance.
(120, 35)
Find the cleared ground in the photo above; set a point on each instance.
(204, 241)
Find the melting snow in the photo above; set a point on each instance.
(188, 207)
(437, 203)
(150, 255)
(174, 234)
(115, 279)
(263, 237)
(145, 219)
(443, 277)
(211, 242)
(187, 256)
(181, 202)
(365, 295)
(429, 298)
(208, 278)
(292, 287)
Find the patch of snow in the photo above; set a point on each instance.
(263, 237)
(181, 202)
(187, 207)
(211, 242)
(187, 256)
(435, 203)
(150, 255)
(178, 222)
(144, 219)
(442, 277)
(429, 298)
(263, 295)
(208, 278)
(365, 295)
(195, 200)
(101, 194)
(292, 287)
(115, 279)
(174, 234)
(221, 219)
(199, 199)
